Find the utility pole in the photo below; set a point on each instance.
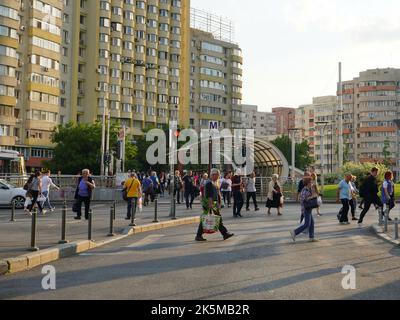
(323, 125)
(103, 138)
(340, 111)
(108, 144)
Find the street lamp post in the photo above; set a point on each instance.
(322, 125)
(397, 122)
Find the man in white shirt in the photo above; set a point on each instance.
(46, 183)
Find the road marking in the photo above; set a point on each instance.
(146, 241)
(141, 243)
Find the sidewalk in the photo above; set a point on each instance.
(15, 237)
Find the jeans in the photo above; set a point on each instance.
(227, 197)
(353, 206)
(254, 197)
(132, 205)
(47, 202)
(189, 193)
(177, 194)
(86, 201)
(368, 200)
(344, 212)
(237, 202)
(308, 224)
(35, 195)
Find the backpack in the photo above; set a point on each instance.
(224, 185)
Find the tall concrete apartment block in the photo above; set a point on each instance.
(371, 105)
(215, 80)
(310, 119)
(71, 60)
(263, 123)
(285, 120)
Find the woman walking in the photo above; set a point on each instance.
(226, 189)
(274, 195)
(388, 193)
(353, 202)
(35, 189)
(306, 210)
(315, 189)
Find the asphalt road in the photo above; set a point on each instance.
(259, 262)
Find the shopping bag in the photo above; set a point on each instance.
(41, 198)
(210, 223)
(140, 204)
(319, 199)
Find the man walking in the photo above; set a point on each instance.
(237, 188)
(213, 195)
(188, 189)
(251, 192)
(344, 196)
(370, 192)
(134, 192)
(46, 183)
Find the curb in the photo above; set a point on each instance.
(32, 260)
(378, 230)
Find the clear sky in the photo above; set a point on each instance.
(291, 48)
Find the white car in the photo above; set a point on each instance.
(10, 193)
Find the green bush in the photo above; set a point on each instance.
(361, 170)
(333, 178)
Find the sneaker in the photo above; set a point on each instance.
(280, 214)
(347, 223)
(360, 207)
(319, 215)
(44, 212)
(77, 218)
(200, 239)
(29, 213)
(228, 235)
(313, 240)
(293, 235)
(239, 215)
(390, 219)
(52, 209)
(359, 225)
(257, 209)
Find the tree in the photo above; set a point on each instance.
(303, 159)
(78, 146)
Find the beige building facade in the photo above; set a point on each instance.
(263, 123)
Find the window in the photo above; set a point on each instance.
(212, 47)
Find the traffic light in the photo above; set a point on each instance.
(177, 132)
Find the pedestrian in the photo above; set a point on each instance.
(134, 192)
(370, 190)
(83, 193)
(305, 196)
(251, 192)
(387, 192)
(178, 186)
(226, 189)
(212, 203)
(35, 189)
(189, 189)
(237, 189)
(353, 201)
(156, 185)
(163, 183)
(147, 187)
(344, 196)
(315, 189)
(274, 198)
(203, 183)
(47, 182)
(300, 186)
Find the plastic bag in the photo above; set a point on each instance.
(41, 198)
(319, 199)
(210, 223)
(140, 204)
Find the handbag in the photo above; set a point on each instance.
(41, 198)
(75, 206)
(126, 191)
(311, 204)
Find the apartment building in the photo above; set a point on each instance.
(371, 105)
(316, 120)
(215, 76)
(67, 60)
(263, 123)
(285, 120)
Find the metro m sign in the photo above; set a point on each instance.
(213, 125)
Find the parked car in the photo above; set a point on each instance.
(10, 193)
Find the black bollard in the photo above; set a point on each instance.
(63, 224)
(156, 210)
(33, 232)
(90, 225)
(112, 214)
(13, 211)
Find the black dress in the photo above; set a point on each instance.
(276, 198)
